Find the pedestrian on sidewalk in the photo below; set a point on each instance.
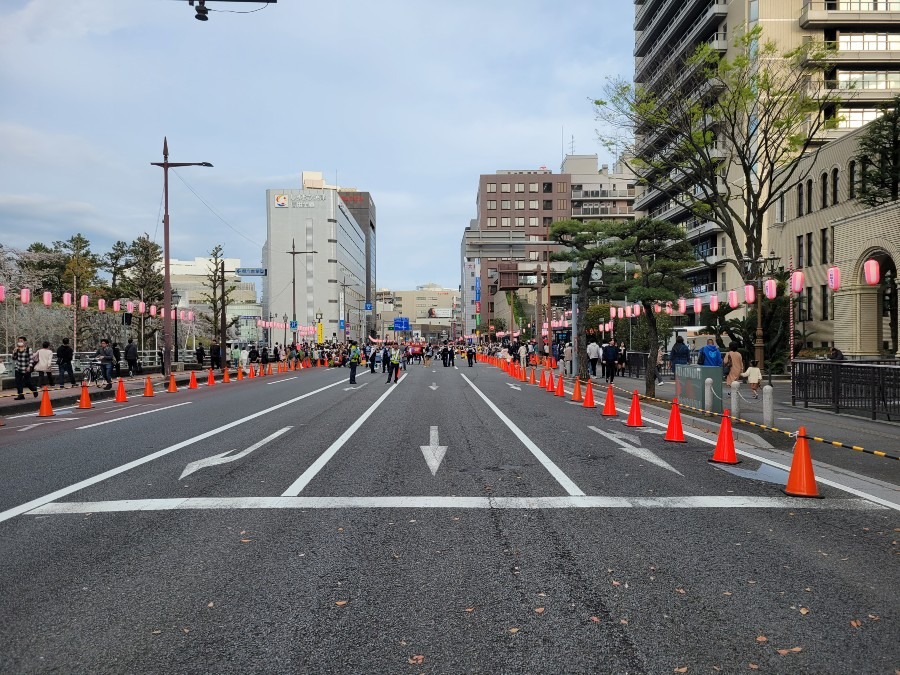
(43, 364)
(733, 365)
(659, 366)
(567, 359)
(105, 354)
(754, 377)
(593, 354)
(710, 355)
(117, 358)
(64, 356)
(680, 354)
(623, 357)
(23, 366)
(200, 354)
(609, 359)
(131, 357)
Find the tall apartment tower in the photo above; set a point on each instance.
(865, 72)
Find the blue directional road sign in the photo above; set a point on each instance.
(293, 325)
(401, 323)
(368, 306)
(250, 271)
(341, 324)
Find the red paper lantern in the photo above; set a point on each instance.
(117, 305)
(25, 295)
(771, 288)
(733, 299)
(834, 278)
(698, 305)
(101, 305)
(656, 308)
(797, 282)
(669, 308)
(48, 298)
(67, 299)
(749, 294)
(873, 272)
(682, 306)
(714, 302)
(84, 301)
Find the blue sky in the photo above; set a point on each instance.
(410, 100)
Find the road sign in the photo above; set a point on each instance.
(368, 306)
(248, 317)
(250, 271)
(401, 323)
(293, 325)
(341, 324)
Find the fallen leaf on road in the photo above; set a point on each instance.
(595, 619)
(683, 669)
(340, 529)
(751, 582)
(784, 652)
(514, 630)
(246, 541)
(804, 611)
(874, 617)
(211, 605)
(616, 583)
(679, 590)
(456, 518)
(762, 638)
(544, 595)
(243, 532)
(157, 632)
(753, 666)
(808, 589)
(717, 669)
(341, 603)
(624, 622)
(856, 623)
(416, 660)
(538, 610)
(727, 593)
(470, 609)
(186, 630)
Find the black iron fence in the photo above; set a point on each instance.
(861, 387)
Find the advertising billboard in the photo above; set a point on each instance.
(440, 313)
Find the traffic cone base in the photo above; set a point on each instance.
(674, 432)
(148, 388)
(240, 372)
(46, 409)
(576, 391)
(634, 413)
(531, 379)
(801, 480)
(724, 452)
(550, 386)
(84, 403)
(121, 397)
(609, 405)
(588, 396)
(252, 372)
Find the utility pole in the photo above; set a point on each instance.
(294, 253)
(222, 322)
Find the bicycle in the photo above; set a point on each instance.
(93, 374)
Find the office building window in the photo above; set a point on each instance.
(823, 188)
(825, 301)
(492, 222)
(548, 205)
(532, 187)
(799, 200)
(547, 221)
(851, 179)
(504, 187)
(520, 221)
(562, 204)
(809, 195)
(504, 222)
(532, 255)
(532, 222)
(779, 211)
(491, 205)
(562, 187)
(853, 118)
(868, 42)
(835, 184)
(809, 303)
(520, 204)
(547, 188)
(809, 249)
(826, 254)
(800, 252)
(520, 187)
(491, 187)
(533, 204)
(504, 204)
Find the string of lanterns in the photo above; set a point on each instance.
(84, 303)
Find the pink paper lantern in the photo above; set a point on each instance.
(872, 271)
(141, 308)
(2, 293)
(733, 299)
(621, 312)
(834, 278)
(129, 307)
(67, 299)
(612, 312)
(117, 305)
(714, 303)
(181, 315)
(656, 308)
(48, 298)
(698, 305)
(101, 305)
(637, 309)
(25, 295)
(173, 314)
(749, 294)
(152, 310)
(84, 301)
(770, 287)
(682, 306)
(797, 282)
(669, 308)
(628, 311)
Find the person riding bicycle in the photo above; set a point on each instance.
(105, 354)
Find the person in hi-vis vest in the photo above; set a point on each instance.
(354, 360)
(394, 365)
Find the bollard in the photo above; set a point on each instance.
(768, 406)
(708, 394)
(735, 399)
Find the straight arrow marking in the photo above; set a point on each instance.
(434, 452)
(223, 459)
(514, 386)
(640, 453)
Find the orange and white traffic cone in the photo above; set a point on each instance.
(801, 480)
(121, 397)
(634, 413)
(262, 371)
(193, 381)
(46, 409)
(724, 452)
(211, 380)
(609, 405)
(576, 391)
(173, 388)
(84, 403)
(148, 388)
(674, 432)
(588, 396)
(269, 371)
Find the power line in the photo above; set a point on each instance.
(214, 212)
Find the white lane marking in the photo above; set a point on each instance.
(640, 453)
(127, 407)
(284, 380)
(100, 477)
(29, 427)
(572, 502)
(355, 388)
(297, 486)
(566, 482)
(222, 459)
(514, 386)
(434, 451)
(128, 417)
(433, 386)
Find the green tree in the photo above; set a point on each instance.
(143, 279)
(717, 143)
(216, 297)
(880, 148)
(81, 265)
(41, 268)
(116, 261)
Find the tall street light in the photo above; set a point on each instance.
(176, 298)
(167, 285)
(758, 270)
(294, 253)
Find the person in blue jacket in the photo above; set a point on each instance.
(710, 355)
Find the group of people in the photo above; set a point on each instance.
(610, 356)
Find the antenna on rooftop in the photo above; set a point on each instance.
(572, 145)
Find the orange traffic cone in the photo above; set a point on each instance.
(252, 372)
(120, 392)
(211, 380)
(84, 403)
(674, 432)
(262, 371)
(801, 481)
(291, 366)
(319, 363)
(634, 414)
(532, 380)
(269, 371)
(46, 409)
(226, 378)
(172, 386)
(560, 390)
(240, 372)
(193, 382)
(724, 452)
(553, 363)
(609, 405)
(588, 396)
(148, 388)
(543, 384)
(550, 386)
(576, 392)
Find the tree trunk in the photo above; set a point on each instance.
(653, 340)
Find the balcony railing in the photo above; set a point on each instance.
(822, 13)
(602, 211)
(602, 194)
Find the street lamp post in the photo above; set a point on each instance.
(176, 298)
(167, 284)
(294, 253)
(759, 269)
(285, 331)
(318, 324)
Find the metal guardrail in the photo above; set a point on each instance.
(871, 387)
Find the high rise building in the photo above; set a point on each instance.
(863, 72)
(362, 207)
(597, 192)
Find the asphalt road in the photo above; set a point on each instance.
(295, 524)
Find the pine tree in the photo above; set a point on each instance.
(880, 146)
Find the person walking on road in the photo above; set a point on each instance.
(215, 355)
(593, 354)
(710, 355)
(733, 365)
(131, 357)
(567, 359)
(22, 358)
(681, 353)
(64, 356)
(105, 354)
(43, 364)
(451, 354)
(470, 355)
(354, 360)
(610, 359)
(371, 358)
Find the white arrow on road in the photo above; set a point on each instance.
(222, 459)
(433, 387)
(641, 453)
(434, 453)
(514, 386)
(355, 388)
